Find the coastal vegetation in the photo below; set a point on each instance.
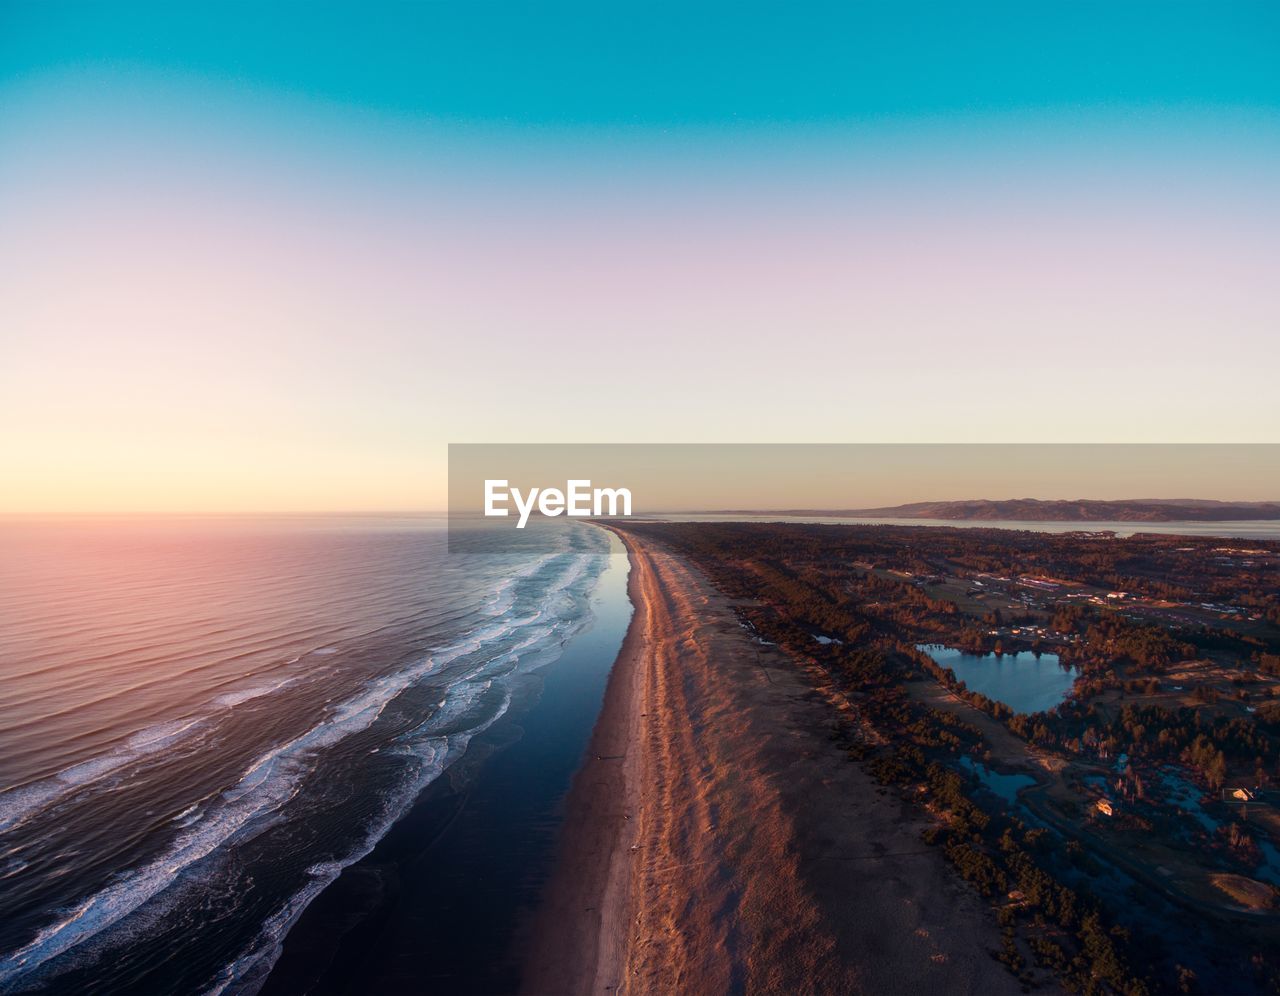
(1107, 873)
(1033, 510)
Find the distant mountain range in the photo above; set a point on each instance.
(1035, 510)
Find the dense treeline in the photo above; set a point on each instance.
(1177, 568)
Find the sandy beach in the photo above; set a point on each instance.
(716, 840)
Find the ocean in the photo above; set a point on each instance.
(203, 722)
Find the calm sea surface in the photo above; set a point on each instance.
(202, 722)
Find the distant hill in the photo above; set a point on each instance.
(1035, 510)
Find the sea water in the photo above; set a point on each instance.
(202, 722)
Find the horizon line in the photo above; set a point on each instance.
(447, 513)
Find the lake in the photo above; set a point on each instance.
(1025, 681)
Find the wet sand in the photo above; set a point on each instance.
(716, 840)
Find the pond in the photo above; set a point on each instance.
(1182, 793)
(1186, 796)
(1025, 682)
(1005, 786)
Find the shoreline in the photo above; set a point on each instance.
(579, 934)
(443, 901)
(716, 840)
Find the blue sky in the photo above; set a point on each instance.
(277, 256)
(677, 65)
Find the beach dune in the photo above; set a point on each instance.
(717, 840)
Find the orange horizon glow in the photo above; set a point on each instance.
(680, 477)
(211, 301)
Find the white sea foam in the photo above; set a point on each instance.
(250, 971)
(20, 804)
(188, 816)
(239, 696)
(504, 593)
(275, 778)
(269, 783)
(435, 754)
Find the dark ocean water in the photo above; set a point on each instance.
(202, 723)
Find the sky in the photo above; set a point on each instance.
(715, 477)
(276, 257)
